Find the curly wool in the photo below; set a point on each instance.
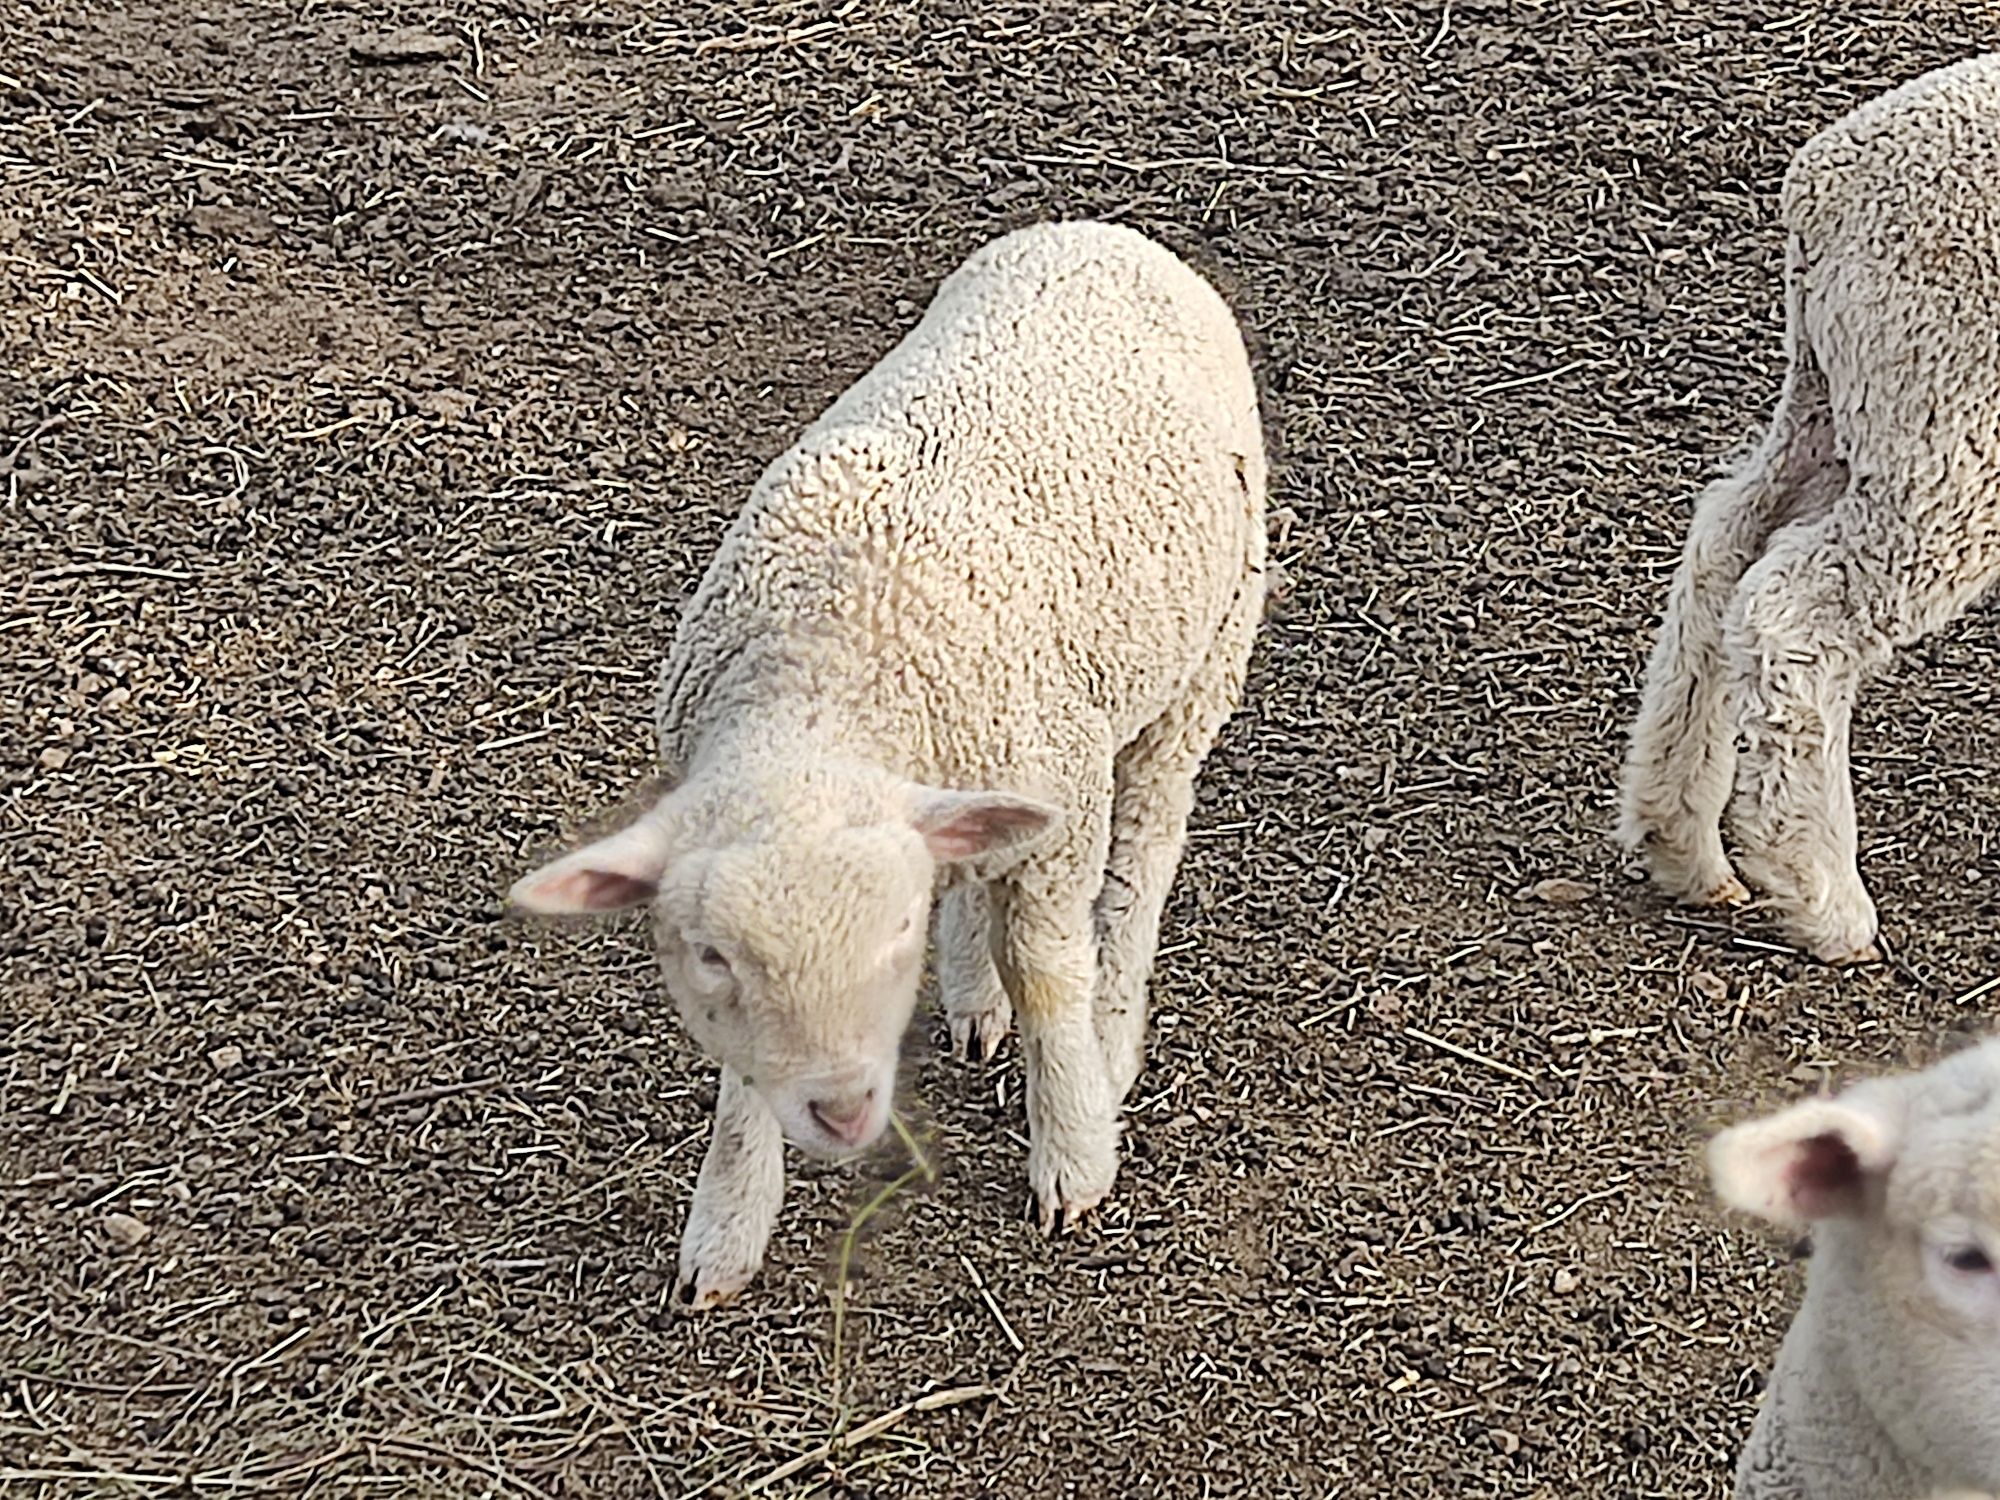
(1867, 517)
(1006, 549)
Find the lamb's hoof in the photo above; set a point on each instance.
(1727, 892)
(1058, 1216)
(713, 1269)
(1692, 871)
(978, 1037)
(1700, 883)
(701, 1289)
(1065, 1187)
(1846, 955)
(1841, 933)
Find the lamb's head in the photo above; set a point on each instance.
(793, 945)
(1899, 1178)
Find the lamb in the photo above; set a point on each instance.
(1867, 517)
(971, 636)
(1887, 1387)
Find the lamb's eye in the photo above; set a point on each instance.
(710, 957)
(1969, 1261)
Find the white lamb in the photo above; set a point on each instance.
(1888, 1385)
(1868, 516)
(978, 628)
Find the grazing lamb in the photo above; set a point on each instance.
(978, 628)
(1868, 515)
(1888, 1385)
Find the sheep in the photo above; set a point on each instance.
(1887, 1386)
(973, 635)
(1866, 517)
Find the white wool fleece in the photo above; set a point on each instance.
(1867, 517)
(1888, 1384)
(976, 629)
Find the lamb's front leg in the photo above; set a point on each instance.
(736, 1198)
(1046, 952)
(975, 1002)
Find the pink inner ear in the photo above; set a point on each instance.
(1824, 1177)
(976, 829)
(607, 890)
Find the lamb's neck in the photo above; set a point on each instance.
(1817, 1436)
(780, 773)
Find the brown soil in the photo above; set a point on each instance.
(362, 425)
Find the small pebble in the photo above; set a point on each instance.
(225, 1057)
(1567, 1281)
(1712, 985)
(124, 1231)
(1561, 892)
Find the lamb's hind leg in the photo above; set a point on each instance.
(1681, 761)
(1822, 609)
(1799, 642)
(1907, 545)
(1155, 793)
(976, 1008)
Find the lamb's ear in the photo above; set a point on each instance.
(1816, 1160)
(965, 825)
(619, 870)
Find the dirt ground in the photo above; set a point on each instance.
(363, 421)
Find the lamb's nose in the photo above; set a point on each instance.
(846, 1118)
